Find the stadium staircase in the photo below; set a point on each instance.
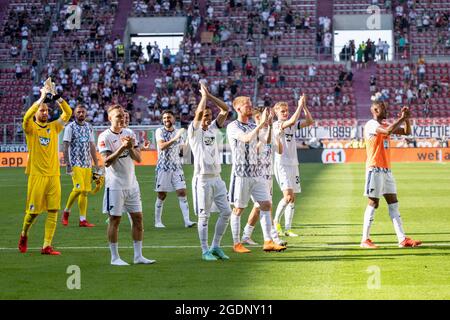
(124, 9)
(325, 9)
(3, 6)
(361, 89)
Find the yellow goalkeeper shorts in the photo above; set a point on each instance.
(44, 194)
(82, 179)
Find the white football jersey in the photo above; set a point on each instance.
(266, 156)
(121, 174)
(168, 159)
(289, 155)
(244, 155)
(205, 149)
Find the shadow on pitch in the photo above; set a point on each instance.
(283, 257)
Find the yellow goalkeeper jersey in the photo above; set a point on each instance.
(42, 142)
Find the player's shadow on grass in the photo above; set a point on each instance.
(374, 256)
(324, 225)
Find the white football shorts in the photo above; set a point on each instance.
(169, 181)
(288, 177)
(379, 181)
(115, 202)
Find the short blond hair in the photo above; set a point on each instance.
(239, 101)
(280, 104)
(113, 107)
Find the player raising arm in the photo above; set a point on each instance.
(44, 185)
(246, 177)
(265, 153)
(207, 185)
(379, 178)
(286, 164)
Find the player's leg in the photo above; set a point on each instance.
(267, 227)
(159, 205)
(289, 197)
(133, 205)
(239, 197)
(293, 187)
(202, 192)
(138, 237)
(184, 206)
(83, 197)
(28, 221)
(179, 184)
(394, 213)
(373, 191)
(261, 193)
(250, 226)
(113, 202)
(280, 176)
(162, 187)
(222, 203)
(33, 208)
(53, 199)
(78, 181)
(369, 215)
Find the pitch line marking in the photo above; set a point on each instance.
(425, 245)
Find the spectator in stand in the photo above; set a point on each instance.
(312, 71)
(316, 100)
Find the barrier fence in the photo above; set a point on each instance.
(327, 156)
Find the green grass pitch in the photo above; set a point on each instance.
(324, 262)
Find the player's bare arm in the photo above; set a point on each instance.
(135, 151)
(300, 105)
(201, 107)
(66, 145)
(110, 157)
(166, 144)
(222, 116)
(395, 127)
(309, 121)
(252, 134)
(406, 130)
(93, 150)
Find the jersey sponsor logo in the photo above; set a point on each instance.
(125, 154)
(209, 141)
(102, 144)
(31, 207)
(289, 137)
(44, 141)
(333, 156)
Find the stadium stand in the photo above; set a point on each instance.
(268, 50)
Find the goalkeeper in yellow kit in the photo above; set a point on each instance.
(44, 186)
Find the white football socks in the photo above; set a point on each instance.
(368, 220)
(248, 230)
(236, 228)
(137, 245)
(184, 206)
(266, 224)
(202, 228)
(289, 215)
(280, 210)
(159, 205)
(397, 221)
(221, 226)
